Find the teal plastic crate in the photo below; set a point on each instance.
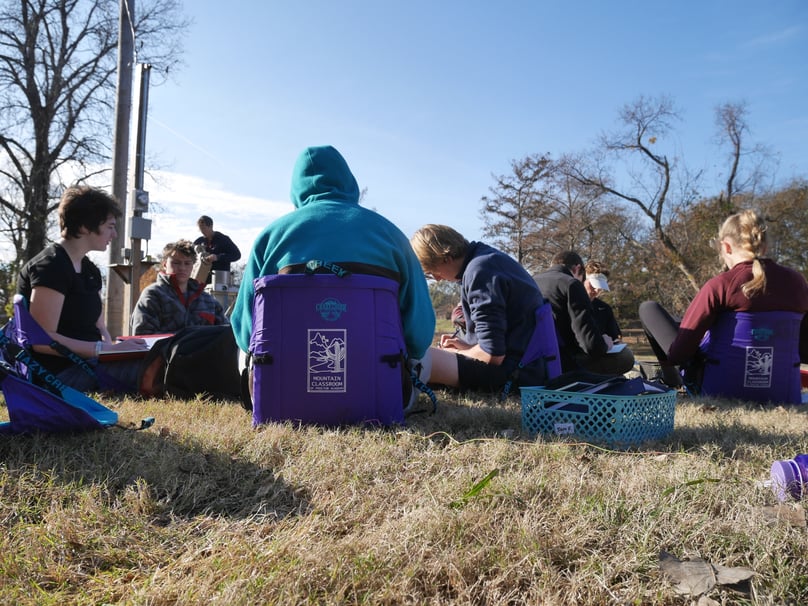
(619, 421)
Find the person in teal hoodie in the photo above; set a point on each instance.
(329, 224)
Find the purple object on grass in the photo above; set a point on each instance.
(789, 478)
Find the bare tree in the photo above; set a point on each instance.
(57, 87)
(650, 179)
(732, 129)
(519, 205)
(535, 212)
(573, 219)
(786, 212)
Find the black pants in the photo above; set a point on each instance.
(659, 326)
(660, 329)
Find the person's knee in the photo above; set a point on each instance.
(609, 364)
(624, 361)
(444, 367)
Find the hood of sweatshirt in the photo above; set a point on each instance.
(322, 174)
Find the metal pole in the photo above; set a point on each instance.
(138, 228)
(120, 161)
(142, 113)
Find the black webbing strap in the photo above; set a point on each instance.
(103, 379)
(26, 357)
(341, 268)
(73, 357)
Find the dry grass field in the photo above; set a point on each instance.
(460, 507)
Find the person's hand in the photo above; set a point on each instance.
(212, 258)
(452, 342)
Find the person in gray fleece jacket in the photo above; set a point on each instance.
(175, 300)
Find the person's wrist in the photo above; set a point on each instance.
(99, 346)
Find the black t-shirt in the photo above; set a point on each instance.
(52, 268)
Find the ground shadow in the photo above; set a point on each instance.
(183, 478)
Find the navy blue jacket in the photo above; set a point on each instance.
(499, 300)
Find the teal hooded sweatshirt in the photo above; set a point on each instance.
(328, 224)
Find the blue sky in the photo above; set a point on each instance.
(426, 99)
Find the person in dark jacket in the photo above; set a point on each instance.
(175, 300)
(498, 299)
(581, 341)
(219, 249)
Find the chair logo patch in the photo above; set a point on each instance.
(331, 309)
(327, 349)
(762, 334)
(758, 371)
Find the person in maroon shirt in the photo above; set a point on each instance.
(750, 283)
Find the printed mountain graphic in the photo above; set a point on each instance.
(760, 361)
(326, 355)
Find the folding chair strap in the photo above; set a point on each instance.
(73, 357)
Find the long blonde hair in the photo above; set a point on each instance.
(747, 229)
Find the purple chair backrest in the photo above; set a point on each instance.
(754, 356)
(544, 343)
(327, 350)
(543, 346)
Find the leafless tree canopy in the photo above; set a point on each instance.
(633, 203)
(58, 60)
(519, 206)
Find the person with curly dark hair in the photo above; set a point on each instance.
(63, 289)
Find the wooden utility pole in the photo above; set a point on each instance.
(114, 301)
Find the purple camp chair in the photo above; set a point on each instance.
(754, 356)
(50, 406)
(543, 345)
(327, 349)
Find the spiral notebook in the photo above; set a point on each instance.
(134, 353)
